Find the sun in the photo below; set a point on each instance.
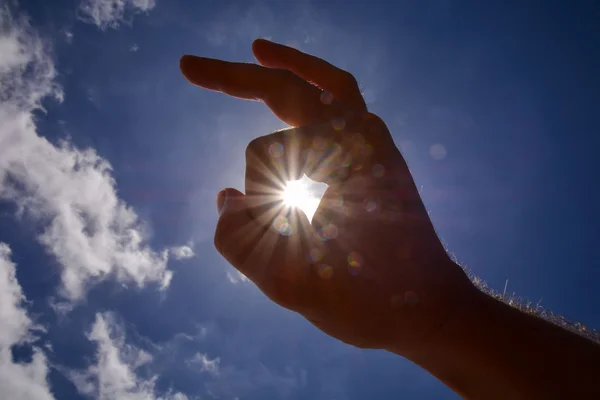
(301, 194)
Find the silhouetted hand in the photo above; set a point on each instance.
(369, 269)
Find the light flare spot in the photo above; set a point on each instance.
(347, 160)
(318, 235)
(378, 170)
(357, 167)
(325, 271)
(282, 225)
(370, 205)
(338, 124)
(316, 254)
(330, 231)
(355, 262)
(438, 151)
(326, 97)
(276, 150)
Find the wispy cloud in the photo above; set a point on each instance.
(18, 380)
(182, 252)
(67, 35)
(112, 13)
(236, 277)
(26, 69)
(206, 364)
(70, 192)
(113, 374)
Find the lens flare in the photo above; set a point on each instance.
(355, 263)
(325, 271)
(282, 225)
(316, 254)
(378, 170)
(276, 150)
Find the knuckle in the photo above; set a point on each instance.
(375, 121)
(224, 233)
(255, 147)
(347, 81)
(285, 78)
(217, 242)
(219, 237)
(287, 74)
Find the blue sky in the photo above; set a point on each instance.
(110, 163)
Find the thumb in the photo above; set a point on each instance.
(238, 235)
(233, 226)
(226, 197)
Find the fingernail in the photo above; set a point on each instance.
(221, 201)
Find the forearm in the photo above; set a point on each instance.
(490, 350)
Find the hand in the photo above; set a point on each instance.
(369, 269)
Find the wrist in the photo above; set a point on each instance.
(451, 353)
(424, 328)
(470, 310)
(474, 350)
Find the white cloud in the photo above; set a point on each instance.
(68, 35)
(113, 375)
(112, 13)
(60, 308)
(70, 192)
(236, 277)
(182, 252)
(206, 364)
(18, 380)
(26, 70)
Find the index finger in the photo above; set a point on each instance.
(340, 83)
(291, 98)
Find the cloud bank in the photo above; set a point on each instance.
(69, 192)
(26, 381)
(113, 374)
(112, 13)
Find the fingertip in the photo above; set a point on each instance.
(221, 196)
(233, 192)
(262, 49)
(258, 46)
(225, 196)
(186, 63)
(260, 42)
(185, 60)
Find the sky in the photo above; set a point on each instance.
(110, 162)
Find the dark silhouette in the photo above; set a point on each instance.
(370, 269)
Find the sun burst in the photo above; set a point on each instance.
(303, 195)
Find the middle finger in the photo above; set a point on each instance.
(290, 98)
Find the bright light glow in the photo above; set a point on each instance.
(301, 194)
